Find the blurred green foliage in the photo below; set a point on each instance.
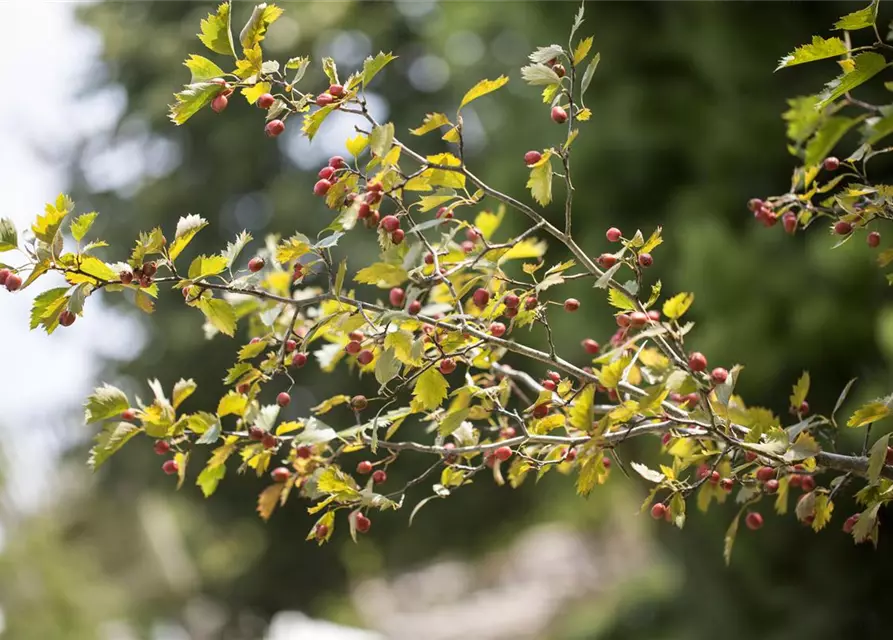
(686, 127)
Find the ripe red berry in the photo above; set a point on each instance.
(530, 303)
(606, 260)
(554, 376)
(888, 459)
(571, 304)
(719, 375)
(749, 456)
(873, 239)
(390, 223)
(764, 474)
(337, 162)
(754, 204)
(771, 485)
(697, 361)
(559, 115)
(364, 467)
(590, 346)
(804, 408)
(397, 236)
(326, 173)
(795, 480)
(414, 307)
(467, 246)
(170, 467)
(831, 163)
(559, 70)
(128, 414)
(396, 297)
(850, 523)
(714, 477)
(372, 220)
(532, 157)
(126, 277)
(645, 260)
(843, 228)
(255, 264)
(541, 410)
(299, 360)
(219, 103)
(623, 320)
(269, 441)
(290, 345)
(654, 315)
(358, 403)
(727, 484)
(571, 454)
(266, 100)
(336, 90)
(256, 434)
(497, 329)
(481, 297)
(67, 318)
(447, 366)
(638, 319)
(304, 452)
(5, 273)
(613, 234)
(324, 99)
(511, 301)
(507, 432)
(280, 474)
(807, 483)
(549, 384)
(162, 447)
(322, 187)
(753, 520)
(364, 357)
(13, 282)
(659, 511)
(503, 453)
(789, 222)
(283, 399)
(362, 523)
(379, 477)
(145, 282)
(443, 212)
(274, 128)
(353, 347)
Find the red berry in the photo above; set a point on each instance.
(256, 434)
(764, 474)
(372, 220)
(162, 447)
(290, 345)
(336, 90)
(559, 70)
(645, 260)
(888, 459)
(719, 375)
(659, 511)
(467, 246)
(559, 115)
(503, 453)
(532, 157)
(549, 384)
(571, 304)
(358, 403)
(804, 408)
(449, 457)
(13, 282)
(429, 258)
(128, 414)
(396, 297)
(554, 376)
(590, 346)
(831, 163)
(4, 274)
(795, 480)
(324, 100)
(541, 410)
(511, 301)
(283, 399)
(170, 467)
(472, 235)
(447, 366)
(753, 520)
(389, 223)
(623, 320)
(697, 361)
(507, 432)
(375, 186)
(571, 454)
(606, 260)
(126, 277)
(414, 307)
(280, 474)
(379, 477)
(219, 103)
(336, 162)
(67, 318)
(362, 523)
(771, 485)
(749, 456)
(266, 100)
(727, 484)
(322, 187)
(353, 347)
(497, 329)
(398, 236)
(255, 264)
(843, 228)
(269, 441)
(274, 128)
(613, 234)
(754, 204)
(364, 467)
(714, 477)
(304, 452)
(873, 239)
(481, 297)
(364, 357)
(326, 173)
(638, 319)
(654, 315)
(299, 360)
(789, 222)
(850, 523)
(145, 282)
(807, 483)
(530, 303)
(443, 212)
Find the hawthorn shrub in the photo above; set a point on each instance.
(456, 298)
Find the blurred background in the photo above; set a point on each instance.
(687, 126)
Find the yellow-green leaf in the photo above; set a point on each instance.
(482, 88)
(868, 413)
(430, 389)
(819, 49)
(105, 402)
(187, 227)
(582, 50)
(182, 390)
(202, 69)
(357, 144)
(232, 404)
(220, 314)
(675, 307)
(822, 510)
(256, 91)
(255, 29)
(371, 66)
(431, 122)
(216, 33)
(801, 389)
(381, 139)
(81, 225)
(206, 266)
(382, 275)
(540, 181)
(293, 248)
(269, 499)
(581, 411)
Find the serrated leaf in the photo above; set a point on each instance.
(293, 248)
(269, 499)
(430, 389)
(109, 441)
(581, 412)
(431, 122)
(387, 366)
(47, 306)
(866, 526)
(452, 421)
(675, 307)
(9, 237)
(187, 227)
(47, 225)
(182, 390)
(860, 19)
(255, 91)
(313, 121)
(482, 88)
(590, 71)
(611, 374)
(649, 474)
(220, 314)
(215, 31)
(877, 458)
(582, 50)
(868, 413)
(540, 181)
(81, 225)
(105, 402)
(729, 539)
(255, 29)
(805, 446)
(619, 300)
(209, 478)
(381, 139)
(819, 49)
(371, 66)
(822, 510)
(202, 69)
(866, 66)
(382, 275)
(206, 266)
(191, 100)
(800, 391)
(327, 405)
(443, 177)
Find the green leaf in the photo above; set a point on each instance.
(356, 145)
(9, 237)
(877, 458)
(482, 88)
(47, 306)
(187, 227)
(802, 118)
(540, 181)
(182, 390)
(675, 307)
(859, 19)
(216, 33)
(866, 526)
(868, 413)
(371, 66)
(826, 138)
(581, 411)
(818, 50)
(206, 266)
(255, 29)
(109, 441)
(47, 225)
(191, 100)
(253, 93)
(805, 446)
(387, 366)
(729, 539)
(220, 314)
(82, 224)
(232, 404)
(431, 122)
(293, 248)
(452, 421)
(866, 66)
(105, 402)
(339, 277)
(381, 139)
(582, 50)
(590, 71)
(382, 275)
(620, 301)
(801, 389)
(210, 477)
(822, 510)
(202, 69)
(430, 389)
(313, 121)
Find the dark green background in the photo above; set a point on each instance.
(686, 127)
